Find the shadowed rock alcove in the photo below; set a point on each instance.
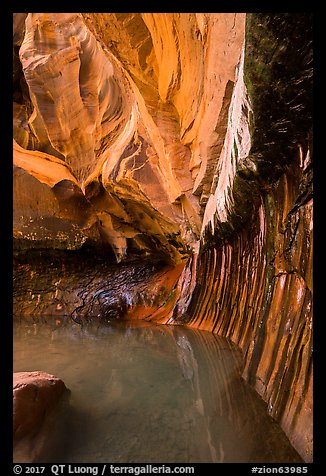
(163, 177)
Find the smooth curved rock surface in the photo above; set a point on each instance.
(140, 137)
(185, 138)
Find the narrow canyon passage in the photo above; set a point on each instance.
(163, 237)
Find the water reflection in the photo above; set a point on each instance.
(147, 393)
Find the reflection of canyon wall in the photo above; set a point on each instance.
(186, 381)
(255, 286)
(186, 137)
(225, 400)
(256, 289)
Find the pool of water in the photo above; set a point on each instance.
(149, 393)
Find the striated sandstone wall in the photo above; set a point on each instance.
(256, 289)
(184, 137)
(255, 286)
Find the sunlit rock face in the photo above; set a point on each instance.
(256, 289)
(185, 139)
(137, 134)
(255, 285)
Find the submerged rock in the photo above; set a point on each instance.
(39, 404)
(183, 138)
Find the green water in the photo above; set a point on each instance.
(153, 394)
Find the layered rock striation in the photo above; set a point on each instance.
(255, 286)
(128, 130)
(178, 139)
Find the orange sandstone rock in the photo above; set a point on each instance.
(135, 130)
(38, 399)
(35, 394)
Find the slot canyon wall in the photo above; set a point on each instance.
(163, 171)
